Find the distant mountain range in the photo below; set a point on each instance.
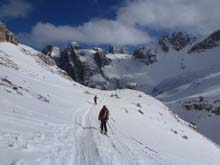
(181, 70)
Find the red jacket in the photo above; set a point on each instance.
(104, 114)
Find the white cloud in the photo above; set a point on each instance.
(200, 16)
(93, 32)
(15, 9)
(193, 16)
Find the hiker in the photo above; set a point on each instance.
(103, 117)
(95, 99)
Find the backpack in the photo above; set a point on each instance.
(105, 114)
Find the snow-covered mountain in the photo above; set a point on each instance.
(179, 70)
(48, 119)
(83, 65)
(186, 80)
(98, 68)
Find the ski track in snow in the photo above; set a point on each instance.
(94, 148)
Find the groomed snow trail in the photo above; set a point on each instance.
(94, 148)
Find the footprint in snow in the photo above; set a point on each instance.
(141, 112)
(138, 105)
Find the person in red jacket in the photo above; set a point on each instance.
(103, 117)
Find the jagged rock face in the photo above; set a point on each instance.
(101, 59)
(74, 45)
(164, 42)
(201, 103)
(84, 66)
(47, 50)
(177, 40)
(148, 55)
(117, 50)
(53, 52)
(6, 35)
(210, 42)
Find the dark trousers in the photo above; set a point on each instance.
(103, 125)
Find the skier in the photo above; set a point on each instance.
(103, 117)
(95, 99)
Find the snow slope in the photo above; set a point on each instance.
(48, 119)
(175, 78)
(207, 118)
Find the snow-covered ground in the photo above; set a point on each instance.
(208, 89)
(48, 119)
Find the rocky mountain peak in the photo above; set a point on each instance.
(7, 35)
(210, 42)
(83, 65)
(177, 41)
(164, 42)
(118, 50)
(74, 45)
(47, 50)
(148, 55)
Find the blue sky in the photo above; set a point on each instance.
(65, 12)
(102, 22)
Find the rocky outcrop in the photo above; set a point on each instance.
(74, 46)
(148, 55)
(101, 59)
(83, 65)
(177, 41)
(6, 35)
(164, 42)
(210, 42)
(47, 50)
(117, 50)
(180, 41)
(201, 103)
